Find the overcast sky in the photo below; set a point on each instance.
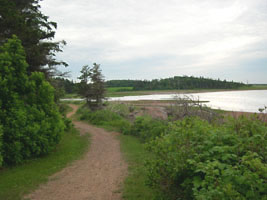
(146, 39)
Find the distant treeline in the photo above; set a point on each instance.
(177, 82)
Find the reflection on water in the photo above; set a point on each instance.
(246, 101)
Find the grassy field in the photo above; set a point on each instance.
(17, 181)
(119, 89)
(135, 155)
(255, 87)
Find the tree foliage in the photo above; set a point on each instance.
(177, 82)
(1, 143)
(68, 86)
(32, 125)
(92, 85)
(24, 19)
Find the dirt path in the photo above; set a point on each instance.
(98, 176)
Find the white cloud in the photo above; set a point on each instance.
(195, 36)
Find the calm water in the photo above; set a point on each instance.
(246, 101)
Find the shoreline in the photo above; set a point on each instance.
(155, 92)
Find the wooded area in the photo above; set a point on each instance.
(176, 82)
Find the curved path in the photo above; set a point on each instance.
(97, 176)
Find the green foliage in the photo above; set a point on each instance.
(146, 128)
(1, 134)
(32, 125)
(135, 186)
(192, 158)
(119, 89)
(197, 160)
(24, 19)
(64, 109)
(69, 87)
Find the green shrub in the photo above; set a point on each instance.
(64, 109)
(147, 128)
(32, 125)
(121, 109)
(1, 134)
(196, 160)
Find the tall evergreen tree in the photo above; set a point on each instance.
(24, 19)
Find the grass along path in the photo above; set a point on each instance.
(19, 180)
(97, 176)
(135, 187)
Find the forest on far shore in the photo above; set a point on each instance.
(173, 83)
(176, 82)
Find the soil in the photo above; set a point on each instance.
(97, 176)
(158, 110)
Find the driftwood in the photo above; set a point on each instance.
(188, 106)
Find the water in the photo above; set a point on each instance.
(244, 101)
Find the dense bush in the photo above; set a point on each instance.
(196, 160)
(63, 110)
(32, 125)
(146, 128)
(1, 134)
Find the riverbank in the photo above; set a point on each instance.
(239, 101)
(159, 109)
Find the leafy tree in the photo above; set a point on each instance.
(32, 125)
(92, 85)
(24, 19)
(1, 157)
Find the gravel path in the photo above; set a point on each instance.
(97, 176)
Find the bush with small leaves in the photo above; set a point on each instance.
(1, 133)
(197, 160)
(146, 128)
(32, 125)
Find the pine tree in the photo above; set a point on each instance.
(92, 86)
(24, 19)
